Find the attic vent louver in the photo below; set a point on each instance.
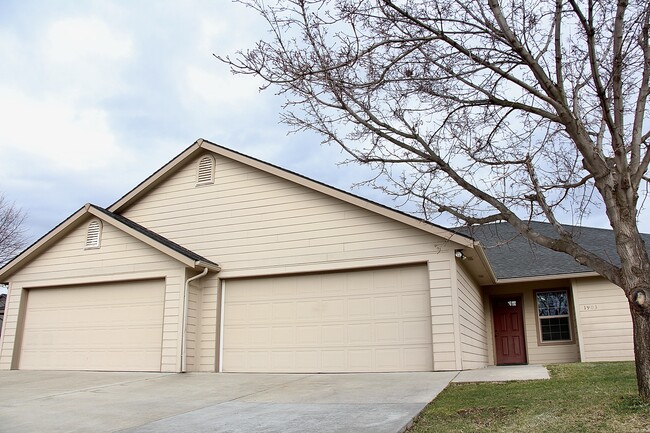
(205, 172)
(94, 234)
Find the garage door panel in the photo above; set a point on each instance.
(389, 333)
(375, 320)
(284, 311)
(307, 336)
(114, 326)
(360, 308)
(360, 334)
(334, 309)
(359, 359)
(387, 306)
(334, 335)
(282, 335)
(334, 360)
(308, 311)
(308, 360)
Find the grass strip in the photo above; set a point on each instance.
(580, 397)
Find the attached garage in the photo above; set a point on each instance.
(375, 320)
(309, 279)
(115, 326)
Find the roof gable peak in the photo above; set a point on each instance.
(201, 145)
(154, 240)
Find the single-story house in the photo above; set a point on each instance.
(220, 262)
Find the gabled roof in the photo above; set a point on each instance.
(158, 239)
(202, 145)
(154, 240)
(512, 256)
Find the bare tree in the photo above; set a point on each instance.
(487, 110)
(12, 231)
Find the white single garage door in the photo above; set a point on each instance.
(363, 321)
(110, 327)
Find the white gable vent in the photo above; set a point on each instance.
(205, 171)
(94, 234)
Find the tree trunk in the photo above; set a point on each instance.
(641, 323)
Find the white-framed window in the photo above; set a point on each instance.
(553, 315)
(205, 170)
(94, 234)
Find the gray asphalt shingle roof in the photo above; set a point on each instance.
(513, 256)
(155, 236)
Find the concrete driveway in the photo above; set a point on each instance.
(152, 402)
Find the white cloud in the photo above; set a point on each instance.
(223, 91)
(81, 40)
(84, 58)
(54, 134)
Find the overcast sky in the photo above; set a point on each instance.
(97, 95)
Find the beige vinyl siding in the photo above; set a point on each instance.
(120, 257)
(473, 332)
(12, 322)
(119, 254)
(537, 353)
(443, 317)
(202, 331)
(208, 341)
(192, 331)
(603, 315)
(256, 223)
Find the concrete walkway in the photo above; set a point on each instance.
(503, 374)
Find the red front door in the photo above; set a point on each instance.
(509, 330)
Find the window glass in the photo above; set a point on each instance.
(553, 315)
(553, 303)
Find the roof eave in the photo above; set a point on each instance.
(162, 173)
(187, 261)
(537, 278)
(62, 229)
(156, 177)
(480, 252)
(363, 203)
(210, 266)
(52, 236)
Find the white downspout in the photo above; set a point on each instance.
(185, 312)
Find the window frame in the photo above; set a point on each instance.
(569, 316)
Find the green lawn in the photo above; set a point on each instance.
(583, 397)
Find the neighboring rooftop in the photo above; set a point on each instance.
(513, 256)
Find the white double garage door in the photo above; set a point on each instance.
(362, 321)
(110, 327)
